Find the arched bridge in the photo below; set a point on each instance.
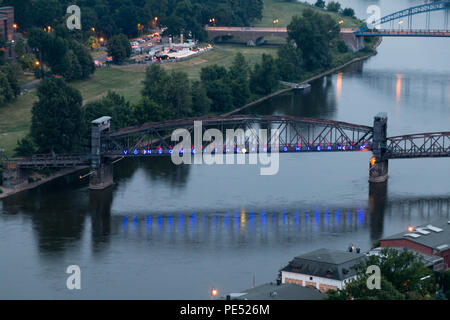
(353, 37)
(295, 135)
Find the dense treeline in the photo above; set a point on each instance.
(9, 85)
(111, 17)
(64, 55)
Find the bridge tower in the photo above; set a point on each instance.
(102, 169)
(378, 171)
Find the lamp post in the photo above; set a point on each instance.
(214, 292)
(275, 22)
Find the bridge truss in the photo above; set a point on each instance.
(295, 135)
(409, 13)
(419, 146)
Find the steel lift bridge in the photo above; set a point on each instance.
(296, 135)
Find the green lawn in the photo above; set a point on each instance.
(284, 11)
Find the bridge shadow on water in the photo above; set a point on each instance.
(61, 220)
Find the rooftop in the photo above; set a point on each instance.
(285, 291)
(326, 263)
(435, 235)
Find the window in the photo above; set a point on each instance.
(310, 278)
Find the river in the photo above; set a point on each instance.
(174, 232)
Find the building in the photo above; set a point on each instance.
(7, 22)
(323, 269)
(7, 27)
(430, 239)
(277, 291)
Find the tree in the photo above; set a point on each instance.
(178, 99)
(312, 33)
(93, 43)
(238, 74)
(348, 12)
(119, 48)
(11, 71)
(290, 62)
(403, 276)
(46, 12)
(216, 81)
(320, 4)
(201, 104)
(113, 105)
(264, 76)
(333, 6)
(6, 92)
(25, 147)
(57, 123)
(154, 83)
(2, 52)
(20, 47)
(358, 290)
(147, 110)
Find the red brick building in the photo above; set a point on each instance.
(431, 239)
(6, 26)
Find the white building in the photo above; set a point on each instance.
(323, 269)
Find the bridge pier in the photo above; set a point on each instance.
(102, 177)
(378, 169)
(379, 172)
(102, 169)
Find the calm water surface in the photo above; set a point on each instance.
(168, 232)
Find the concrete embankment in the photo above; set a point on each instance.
(31, 185)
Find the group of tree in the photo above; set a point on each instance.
(9, 84)
(312, 37)
(111, 17)
(403, 276)
(334, 6)
(64, 55)
(119, 48)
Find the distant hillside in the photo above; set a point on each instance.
(284, 11)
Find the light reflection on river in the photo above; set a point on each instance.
(174, 232)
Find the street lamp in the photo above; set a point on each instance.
(341, 22)
(275, 22)
(213, 21)
(214, 292)
(15, 27)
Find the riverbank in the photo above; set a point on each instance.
(323, 74)
(7, 192)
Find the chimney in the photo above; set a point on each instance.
(170, 43)
(181, 38)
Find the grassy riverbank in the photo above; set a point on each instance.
(284, 11)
